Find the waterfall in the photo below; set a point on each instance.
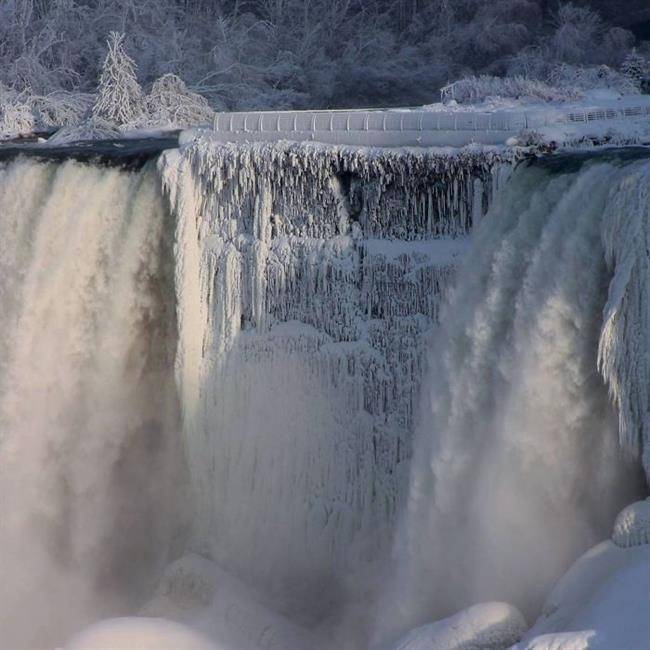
(90, 463)
(272, 356)
(517, 466)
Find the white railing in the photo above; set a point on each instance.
(382, 127)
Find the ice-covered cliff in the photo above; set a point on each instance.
(307, 280)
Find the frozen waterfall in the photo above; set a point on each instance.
(307, 277)
(275, 356)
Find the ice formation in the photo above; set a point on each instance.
(307, 279)
(201, 595)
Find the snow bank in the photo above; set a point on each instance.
(141, 633)
(488, 626)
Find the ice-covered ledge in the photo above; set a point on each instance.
(426, 127)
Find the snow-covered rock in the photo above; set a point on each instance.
(601, 603)
(632, 526)
(201, 595)
(141, 633)
(488, 626)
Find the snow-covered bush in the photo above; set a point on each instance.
(60, 108)
(477, 89)
(120, 100)
(563, 82)
(170, 103)
(581, 78)
(15, 114)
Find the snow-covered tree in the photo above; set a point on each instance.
(634, 67)
(120, 100)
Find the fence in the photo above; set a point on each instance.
(405, 127)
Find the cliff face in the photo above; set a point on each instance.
(307, 280)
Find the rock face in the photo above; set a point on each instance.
(488, 626)
(307, 280)
(632, 526)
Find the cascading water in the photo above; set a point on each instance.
(270, 328)
(517, 466)
(90, 463)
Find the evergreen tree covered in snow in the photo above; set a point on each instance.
(634, 67)
(120, 100)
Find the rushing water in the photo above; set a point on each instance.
(90, 467)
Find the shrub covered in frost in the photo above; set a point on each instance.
(581, 78)
(15, 114)
(562, 82)
(476, 89)
(170, 102)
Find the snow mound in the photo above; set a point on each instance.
(481, 627)
(632, 526)
(599, 604)
(140, 633)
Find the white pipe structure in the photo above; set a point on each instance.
(416, 127)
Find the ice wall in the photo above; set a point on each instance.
(307, 280)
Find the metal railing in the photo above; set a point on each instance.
(408, 126)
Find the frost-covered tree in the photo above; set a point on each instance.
(120, 100)
(170, 103)
(245, 54)
(634, 67)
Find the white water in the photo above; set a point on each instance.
(517, 466)
(89, 460)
